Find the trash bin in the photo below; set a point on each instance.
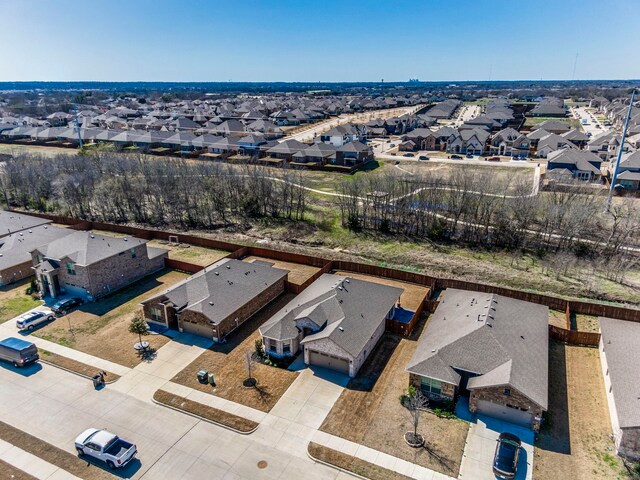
(98, 380)
(211, 380)
(202, 376)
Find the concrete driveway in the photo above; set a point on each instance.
(55, 406)
(477, 460)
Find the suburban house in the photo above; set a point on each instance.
(509, 142)
(353, 153)
(489, 348)
(582, 164)
(341, 134)
(553, 126)
(578, 138)
(316, 154)
(472, 141)
(11, 222)
(549, 107)
(91, 265)
(217, 300)
(551, 143)
(15, 250)
(337, 321)
(619, 357)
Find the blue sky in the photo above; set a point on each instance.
(318, 40)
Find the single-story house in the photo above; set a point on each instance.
(582, 164)
(91, 265)
(489, 348)
(217, 300)
(337, 321)
(620, 357)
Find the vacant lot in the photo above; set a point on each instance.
(298, 273)
(100, 328)
(576, 442)
(369, 412)
(413, 294)
(228, 363)
(14, 301)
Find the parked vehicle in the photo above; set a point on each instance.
(493, 159)
(469, 155)
(456, 157)
(505, 460)
(105, 446)
(63, 306)
(423, 157)
(19, 352)
(32, 319)
(408, 155)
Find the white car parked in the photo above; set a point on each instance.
(31, 320)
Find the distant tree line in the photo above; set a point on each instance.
(120, 188)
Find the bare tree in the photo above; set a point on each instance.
(414, 401)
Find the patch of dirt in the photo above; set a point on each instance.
(369, 411)
(353, 464)
(558, 318)
(227, 362)
(101, 328)
(575, 442)
(205, 411)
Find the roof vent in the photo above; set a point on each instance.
(346, 280)
(217, 273)
(210, 303)
(522, 337)
(341, 329)
(125, 239)
(93, 236)
(228, 267)
(339, 288)
(488, 324)
(30, 231)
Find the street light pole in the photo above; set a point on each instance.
(620, 149)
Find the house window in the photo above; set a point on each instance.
(272, 347)
(71, 269)
(507, 391)
(286, 348)
(429, 385)
(133, 253)
(156, 314)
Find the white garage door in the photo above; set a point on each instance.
(502, 412)
(197, 329)
(329, 361)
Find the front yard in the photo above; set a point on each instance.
(369, 412)
(227, 362)
(14, 301)
(576, 442)
(100, 328)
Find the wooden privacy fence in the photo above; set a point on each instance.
(325, 265)
(591, 339)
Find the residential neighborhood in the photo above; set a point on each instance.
(272, 240)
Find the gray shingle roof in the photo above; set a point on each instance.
(503, 340)
(16, 248)
(86, 248)
(16, 222)
(222, 288)
(345, 310)
(620, 340)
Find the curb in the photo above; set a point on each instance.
(77, 373)
(344, 470)
(205, 419)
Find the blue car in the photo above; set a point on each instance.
(505, 461)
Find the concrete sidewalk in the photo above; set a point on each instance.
(31, 464)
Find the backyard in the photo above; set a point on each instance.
(227, 362)
(575, 442)
(369, 412)
(100, 328)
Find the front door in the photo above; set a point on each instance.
(55, 287)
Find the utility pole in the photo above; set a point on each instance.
(620, 148)
(75, 119)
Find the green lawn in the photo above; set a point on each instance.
(12, 307)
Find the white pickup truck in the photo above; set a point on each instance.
(105, 446)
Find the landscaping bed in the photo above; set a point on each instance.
(52, 454)
(352, 464)
(575, 438)
(9, 471)
(205, 411)
(227, 362)
(73, 365)
(369, 412)
(100, 328)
